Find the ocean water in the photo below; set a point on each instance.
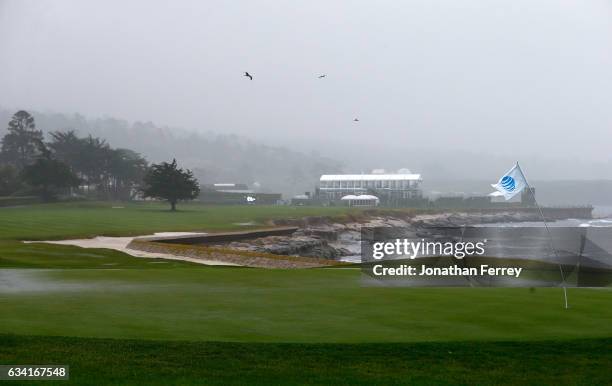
(569, 223)
(602, 211)
(602, 219)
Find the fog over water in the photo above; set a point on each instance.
(446, 88)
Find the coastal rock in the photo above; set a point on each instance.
(309, 246)
(323, 238)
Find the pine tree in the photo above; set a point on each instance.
(168, 182)
(20, 146)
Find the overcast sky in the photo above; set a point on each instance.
(516, 77)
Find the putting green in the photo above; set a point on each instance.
(257, 305)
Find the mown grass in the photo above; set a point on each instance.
(126, 362)
(16, 254)
(173, 322)
(308, 305)
(89, 219)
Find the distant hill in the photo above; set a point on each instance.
(213, 157)
(218, 157)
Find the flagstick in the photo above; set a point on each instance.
(552, 247)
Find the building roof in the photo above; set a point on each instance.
(236, 191)
(370, 177)
(360, 197)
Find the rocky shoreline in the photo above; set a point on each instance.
(323, 237)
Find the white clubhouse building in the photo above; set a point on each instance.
(402, 185)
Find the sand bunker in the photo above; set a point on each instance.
(121, 243)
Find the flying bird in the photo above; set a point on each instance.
(248, 75)
(322, 76)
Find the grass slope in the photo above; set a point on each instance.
(89, 219)
(121, 362)
(15, 254)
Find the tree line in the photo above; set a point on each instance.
(88, 167)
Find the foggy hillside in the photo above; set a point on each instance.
(231, 158)
(213, 157)
(475, 163)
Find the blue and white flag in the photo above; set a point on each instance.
(511, 183)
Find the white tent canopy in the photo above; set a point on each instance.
(361, 200)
